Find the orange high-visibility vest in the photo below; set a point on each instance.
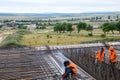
(100, 56)
(74, 67)
(112, 56)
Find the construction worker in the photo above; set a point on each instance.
(70, 70)
(112, 55)
(113, 59)
(100, 55)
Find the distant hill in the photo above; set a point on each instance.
(102, 13)
(54, 14)
(38, 14)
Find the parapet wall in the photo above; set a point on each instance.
(85, 58)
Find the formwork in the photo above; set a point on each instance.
(34, 64)
(85, 58)
(27, 66)
(46, 63)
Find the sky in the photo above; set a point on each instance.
(58, 6)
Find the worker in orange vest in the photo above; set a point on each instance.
(113, 59)
(112, 56)
(100, 55)
(70, 70)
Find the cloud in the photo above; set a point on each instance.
(31, 1)
(56, 9)
(67, 1)
(38, 6)
(77, 3)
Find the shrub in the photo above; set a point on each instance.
(48, 41)
(48, 35)
(12, 44)
(58, 36)
(13, 40)
(23, 32)
(112, 39)
(90, 34)
(69, 34)
(103, 35)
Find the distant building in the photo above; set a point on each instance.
(32, 26)
(12, 21)
(6, 28)
(117, 17)
(1, 23)
(98, 18)
(74, 26)
(109, 17)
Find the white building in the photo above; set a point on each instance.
(5, 28)
(1, 23)
(32, 26)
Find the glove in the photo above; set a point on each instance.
(63, 75)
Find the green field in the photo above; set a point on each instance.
(48, 37)
(51, 38)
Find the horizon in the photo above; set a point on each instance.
(60, 12)
(63, 6)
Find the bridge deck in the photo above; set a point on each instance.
(33, 66)
(27, 66)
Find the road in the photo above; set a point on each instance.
(4, 35)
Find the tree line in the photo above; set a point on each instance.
(67, 27)
(107, 27)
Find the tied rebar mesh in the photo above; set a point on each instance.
(27, 66)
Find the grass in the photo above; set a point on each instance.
(55, 39)
(13, 40)
(42, 39)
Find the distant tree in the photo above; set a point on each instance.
(64, 27)
(50, 24)
(81, 26)
(1, 26)
(106, 27)
(89, 28)
(22, 27)
(57, 27)
(40, 27)
(6, 21)
(112, 27)
(45, 24)
(118, 26)
(69, 27)
(43, 27)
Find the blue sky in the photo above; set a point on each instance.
(58, 6)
